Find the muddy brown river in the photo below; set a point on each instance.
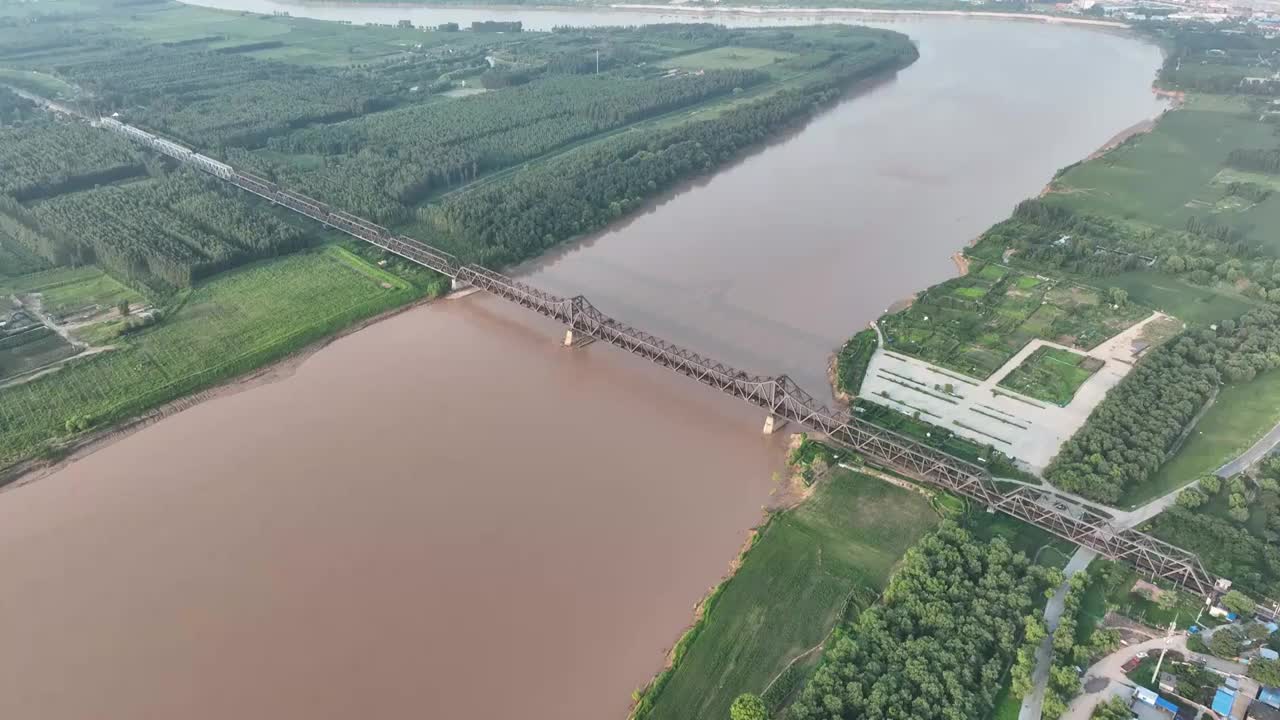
(447, 515)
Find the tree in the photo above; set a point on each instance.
(1225, 643)
(748, 707)
(1266, 672)
(1114, 709)
(1168, 600)
(1119, 296)
(1238, 603)
(1191, 498)
(1211, 484)
(123, 307)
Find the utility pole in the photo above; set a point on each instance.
(1169, 636)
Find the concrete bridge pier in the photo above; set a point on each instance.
(576, 341)
(772, 424)
(455, 285)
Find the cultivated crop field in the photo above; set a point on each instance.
(69, 290)
(233, 323)
(1193, 304)
(1172, 173)
(976, 323)
(836, 549)
(30, 350)
(741, 58)
(1051, 374)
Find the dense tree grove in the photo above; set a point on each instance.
(1204, 59)
(1224, 547)
(48, 158)
(517, 217)
(175, 229)
(937, 644)
(1127, 435)
(15, 109)
(380, 163)
(1237, 539)
(213, 99)
(1204, 252)
(1255, 160)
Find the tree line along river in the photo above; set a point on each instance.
(448, 515)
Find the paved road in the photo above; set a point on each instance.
(1107, 678)
(1034, 699)
(1252, 455)
(1120, 519)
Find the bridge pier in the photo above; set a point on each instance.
(772, 424)
(568, 337)
(455, 285)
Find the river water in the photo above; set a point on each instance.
(446, 514)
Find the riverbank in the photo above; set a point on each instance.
(809, 568)
(855, 11)
(225, 330)
(63, 455)
(739, 10)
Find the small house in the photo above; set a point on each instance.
(1270, 696)
(1222, 701)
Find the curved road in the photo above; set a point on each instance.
(1255, 453)
(1113, 682)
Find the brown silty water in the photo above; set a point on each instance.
(448, 515)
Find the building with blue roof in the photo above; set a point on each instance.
(1222, 702)
(1270, 696)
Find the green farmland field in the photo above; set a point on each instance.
(1192, 304)
(236, 322)
(1170, 174)
(42, 348)
(975, 323)
(792, 588)
(743, 58)
(67, 290)
(1051, 374)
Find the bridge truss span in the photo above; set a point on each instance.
(779, 396)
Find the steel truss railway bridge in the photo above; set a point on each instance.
(779, 396)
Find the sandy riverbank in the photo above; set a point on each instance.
(756, 10)
(83, 446)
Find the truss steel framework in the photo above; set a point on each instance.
(779, 396)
